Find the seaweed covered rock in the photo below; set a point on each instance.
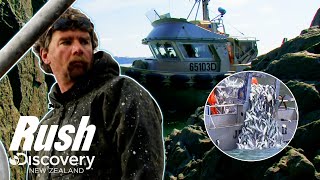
(301, 65)
(307, 138)
(307, 41)
(307, 97)
(184, 148)
(310, 117)
(197, 118)
(294, 165)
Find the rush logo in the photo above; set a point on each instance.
(44, 140)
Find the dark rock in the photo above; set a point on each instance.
(212, 162)
(310, 117)
(307, 138)
(197, 118)
(179, 157)
(316, 162)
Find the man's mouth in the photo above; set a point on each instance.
(77, 63)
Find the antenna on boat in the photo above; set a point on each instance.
(156, 13)
(196, 1)
(205, 10)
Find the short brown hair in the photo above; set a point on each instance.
(79, 21)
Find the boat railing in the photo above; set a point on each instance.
(244, 38)
(228, 115)
(222, 109)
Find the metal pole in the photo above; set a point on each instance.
(29, 34)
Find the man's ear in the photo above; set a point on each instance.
(44, 55)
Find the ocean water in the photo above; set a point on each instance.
(172, 124)
(253, 155)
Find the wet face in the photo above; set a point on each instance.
(70, 55)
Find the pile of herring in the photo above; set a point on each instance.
(260, 128)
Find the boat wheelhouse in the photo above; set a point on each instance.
(189, 58)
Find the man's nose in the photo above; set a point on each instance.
(77, 48)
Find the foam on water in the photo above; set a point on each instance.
(253, 155)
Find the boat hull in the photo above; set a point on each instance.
(175, 92)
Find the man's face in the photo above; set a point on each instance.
(70, 54)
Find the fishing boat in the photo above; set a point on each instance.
(189, 58)
(248, 115)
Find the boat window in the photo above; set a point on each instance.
(164, 50)
(196, 51)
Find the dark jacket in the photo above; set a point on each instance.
(128, 140)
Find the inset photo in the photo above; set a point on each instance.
(251, 116)
(4, 165)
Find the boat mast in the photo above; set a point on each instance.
(205, 10)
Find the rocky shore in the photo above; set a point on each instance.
(191, 155)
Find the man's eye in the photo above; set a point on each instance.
(84, 42)
(66, 42)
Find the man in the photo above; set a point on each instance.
(127, 143)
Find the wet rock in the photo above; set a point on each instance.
(294, 165)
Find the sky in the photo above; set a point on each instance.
(122, 24)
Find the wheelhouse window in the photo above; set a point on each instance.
(195, 50)
(163, 51)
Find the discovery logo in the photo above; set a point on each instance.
(15, 160)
